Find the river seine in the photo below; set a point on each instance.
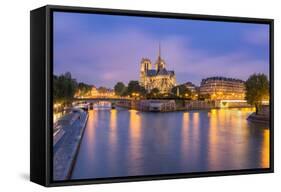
(121, 142)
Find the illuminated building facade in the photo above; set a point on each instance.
(95, 92)
(219, 88)
(159, 77)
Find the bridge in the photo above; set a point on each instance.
(110, 99)
(91, 101)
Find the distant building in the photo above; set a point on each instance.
(159, 78)
(94, 92)
(190, 86)
(105, 92)
(218, 88)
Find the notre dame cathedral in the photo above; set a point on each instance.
(159, 77)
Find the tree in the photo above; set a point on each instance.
(119, 89)
(64, 88)
(84, 89)
(102, 89)
(155, 91)
(257, 90)
(134, 87)
(181, 91)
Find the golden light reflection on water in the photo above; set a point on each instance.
(230, 134)
(195, 139)
(185, 123)
(113, 138)
(185, 134)
(265, 149)
(135, 135)
(135, 124)
(213, 137)
(90, 132)
(196, 125)
(113, 126)
(208, 140)
(113, 118)
(196, 119)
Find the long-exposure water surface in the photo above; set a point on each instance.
(120, 142)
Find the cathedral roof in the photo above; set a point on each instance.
(151, 72)
(171, 72)
(163, 72)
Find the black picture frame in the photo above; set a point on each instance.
(41, 58)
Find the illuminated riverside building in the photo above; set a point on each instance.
(159, 77)
(95, 92)
(219, 88)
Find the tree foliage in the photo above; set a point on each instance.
(102, 89)
(84, 89)
(120, 89)
(181, 91)
(64, 87)
(257, 90)
(154, 93)
(135, 87)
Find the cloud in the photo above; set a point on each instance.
(201, 64)
(103, 59)
(258, 36)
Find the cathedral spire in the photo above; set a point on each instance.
(160, 64)
(159, 51)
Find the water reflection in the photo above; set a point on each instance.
(90, 133)
(265, 149)
(213, 138)
(185, 135)
(134, 142)
(112, 138)
(135, 125)
(113, 126)
(121, 142)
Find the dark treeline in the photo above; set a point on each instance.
(132, 89)
(257, 90)
(83, 89)
(65, 87)
(135, 89)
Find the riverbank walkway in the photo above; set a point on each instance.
(66, 149)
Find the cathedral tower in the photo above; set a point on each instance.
(145, 66)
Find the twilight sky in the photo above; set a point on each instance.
(104, 49)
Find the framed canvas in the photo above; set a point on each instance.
(126, 95)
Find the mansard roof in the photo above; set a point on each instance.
(222, 79)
